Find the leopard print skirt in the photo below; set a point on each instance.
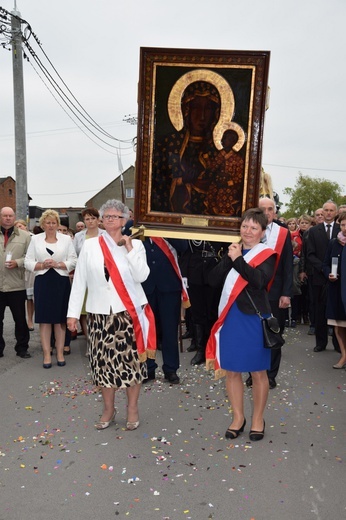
(113, 353)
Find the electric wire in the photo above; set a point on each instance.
(5, 28)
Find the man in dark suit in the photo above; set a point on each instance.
(279, 239)
(317, 244)
(163, 288)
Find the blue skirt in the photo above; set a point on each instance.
(241, 343)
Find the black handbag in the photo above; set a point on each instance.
(272, 337)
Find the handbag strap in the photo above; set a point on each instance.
(253, 305)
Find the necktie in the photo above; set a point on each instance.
(5, 237)
(328, 231)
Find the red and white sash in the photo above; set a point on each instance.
(276, 241)
(233, 286)
(143, 318)
(171, 254)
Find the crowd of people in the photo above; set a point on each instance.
(129, 297)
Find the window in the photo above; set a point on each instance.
(130, 193)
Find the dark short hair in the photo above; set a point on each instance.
(257, 215)
(90, 211)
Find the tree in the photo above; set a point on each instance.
(309, 194)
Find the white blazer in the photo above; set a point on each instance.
(79, 239)
(102, 297)
(64, 252)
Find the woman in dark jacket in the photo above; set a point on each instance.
(236, 341)
(335, 311)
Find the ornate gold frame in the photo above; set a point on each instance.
(240, 79)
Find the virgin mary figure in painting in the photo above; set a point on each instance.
(182, 166)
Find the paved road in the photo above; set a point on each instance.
(177, 465)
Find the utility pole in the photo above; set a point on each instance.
(19, 118)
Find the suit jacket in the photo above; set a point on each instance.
(283, 280)
(317, 244)
(162, 275)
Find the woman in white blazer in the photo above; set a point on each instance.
(117, 313)
(51, 256)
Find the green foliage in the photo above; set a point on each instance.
(309, 194)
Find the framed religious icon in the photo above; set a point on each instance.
(199, 141)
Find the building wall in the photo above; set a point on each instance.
(8, 193)
(113, 191)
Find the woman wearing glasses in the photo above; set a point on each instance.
(121, 330)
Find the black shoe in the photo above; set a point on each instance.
(272, 383)
(192, 347)
(172, 378)
(232, 433)
(24, 355)
(319, 349)
(255, 435)
(151, 377)
(198, 358)
(311, 331)
(248, 382)
(186, 335)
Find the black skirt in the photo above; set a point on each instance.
(51, 295)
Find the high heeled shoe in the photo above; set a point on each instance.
(231, 433)
(102, 425)
(47, 365)
(61, 363)
(132, 425)
(256, 435)
(337, 366)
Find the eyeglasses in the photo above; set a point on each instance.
(112, 217)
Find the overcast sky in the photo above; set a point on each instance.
(95, 44)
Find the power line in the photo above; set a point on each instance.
(73, 104)
(305, 168)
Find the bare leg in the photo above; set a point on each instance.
(45, 334)
(83, 324)
(30, 313)
(132, 393)
(108, 395)
(260, 390)
(59, 333)
(340, 333)
(235, 392)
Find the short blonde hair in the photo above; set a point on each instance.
(21, 221)
(49, 213)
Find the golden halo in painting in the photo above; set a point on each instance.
(237, 128)
(227, 103)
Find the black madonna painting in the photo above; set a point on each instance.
(200, 130)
